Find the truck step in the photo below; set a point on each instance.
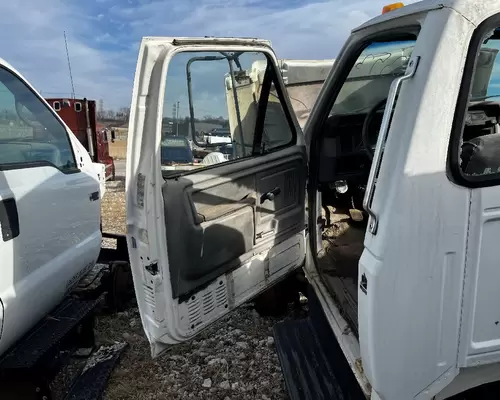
(42, 341)
(313, 364)
(91, 383)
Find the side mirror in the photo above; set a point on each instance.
(113, 136)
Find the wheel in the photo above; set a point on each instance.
(274, 301)
(121, 286)
(271, 303)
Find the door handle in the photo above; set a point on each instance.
(382, 137)
(270, 195)
(9, 219)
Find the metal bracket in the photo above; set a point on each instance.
(152, 268)
(382, 137)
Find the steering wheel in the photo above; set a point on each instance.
(366, 135)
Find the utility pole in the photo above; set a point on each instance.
(177, 120)
(174, 116)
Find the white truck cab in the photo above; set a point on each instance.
(49, 208)
(401, 155)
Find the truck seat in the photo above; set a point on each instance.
(481, 155)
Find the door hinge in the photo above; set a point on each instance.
(152, 268)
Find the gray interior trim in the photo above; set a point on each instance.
(215, 219)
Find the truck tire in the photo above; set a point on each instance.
(271, 303)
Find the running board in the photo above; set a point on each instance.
(42, 342)
(92, 381)
(312, 362)
(28, 367)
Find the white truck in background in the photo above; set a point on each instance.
(49, 208)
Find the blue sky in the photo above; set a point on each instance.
(104, 35)
(207, 83)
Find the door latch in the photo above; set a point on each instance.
(152, 268)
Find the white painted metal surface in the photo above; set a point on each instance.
(414, 312)
(100, 170)
(59, 236)
(428, 323)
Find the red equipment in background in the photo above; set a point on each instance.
(80, 116)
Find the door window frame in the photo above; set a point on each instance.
(331, 90)
(267, 85)
(454, 170)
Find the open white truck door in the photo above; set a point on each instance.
(204, 241)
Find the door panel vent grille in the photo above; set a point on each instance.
(208, 303)
(194, 311)
(221, 295)
(204, 306)
(149, 295)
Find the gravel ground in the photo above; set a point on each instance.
(235, 359)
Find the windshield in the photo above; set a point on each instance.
(378, 65)
(370, 79)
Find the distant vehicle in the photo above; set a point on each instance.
(50, 204)
(227, 151)
(218, 135)
(80, 116)
(176, 154)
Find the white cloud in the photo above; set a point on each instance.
(103, 35)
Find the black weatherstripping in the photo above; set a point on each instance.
(37, 164)
(9, 219)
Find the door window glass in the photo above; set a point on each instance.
(220, 107)
(30, 134)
